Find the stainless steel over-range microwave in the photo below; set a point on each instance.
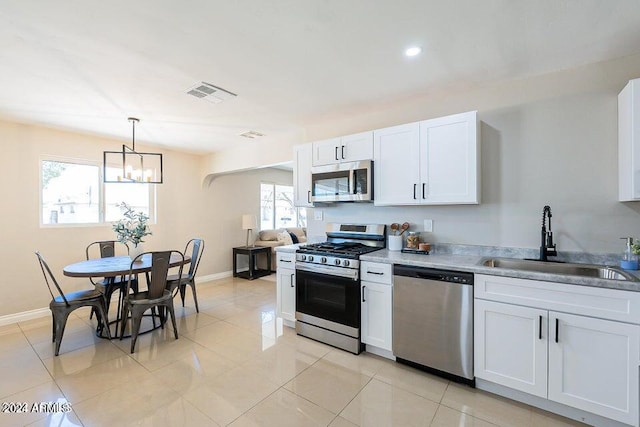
(342, 182)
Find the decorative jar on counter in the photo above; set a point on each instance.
(413, 240)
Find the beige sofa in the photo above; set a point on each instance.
(274, 238)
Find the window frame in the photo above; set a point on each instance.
(273, 200)
(101, 194)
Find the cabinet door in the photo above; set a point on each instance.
(376, 314)
(593, 365)
(356, 147)
(510, 346)
(326, 152)
(286, 293)
(302, 175)
(396, 165)
(449, 160)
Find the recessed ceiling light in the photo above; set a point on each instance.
(413, 51)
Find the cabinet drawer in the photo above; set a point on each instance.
(610, 304)
(376, 272)
(286, 259)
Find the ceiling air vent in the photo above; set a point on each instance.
(210, 93)
(252, 134)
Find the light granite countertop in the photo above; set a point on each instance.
(470, 258)
(473, 264)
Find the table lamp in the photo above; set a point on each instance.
(249, 222)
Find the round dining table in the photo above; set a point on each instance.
(119, 266)
(116, 266)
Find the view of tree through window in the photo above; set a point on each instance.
(277, 209)
(72, 193)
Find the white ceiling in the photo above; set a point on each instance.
(88, 65)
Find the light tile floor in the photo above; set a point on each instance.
(233, 364)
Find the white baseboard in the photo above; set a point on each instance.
(42, 312)
(215, 276)
(23, 316)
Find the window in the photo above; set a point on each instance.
(277, 209)
(72, 192)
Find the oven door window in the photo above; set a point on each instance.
(330, 183)
(328, 297)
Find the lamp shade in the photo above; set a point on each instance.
(249, 222)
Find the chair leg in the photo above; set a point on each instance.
(136, 318)
(183, 291)
(173, 318)
(192, 283)
(60, 321)
(125, 314)
(53, 327)
(104, 319)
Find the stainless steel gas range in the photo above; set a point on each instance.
(328, 284)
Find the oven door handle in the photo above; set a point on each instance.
(348, 273)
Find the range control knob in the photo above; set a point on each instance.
(323, 260)
(337, 262)
(303, 257)
(346, 263)
(310, 258)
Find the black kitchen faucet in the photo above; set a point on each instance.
(547, 247)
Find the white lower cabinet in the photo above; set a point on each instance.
(577, 360)
(376, 312)
(593, 366)
(376, 292)
(286, 288)
(511, 346)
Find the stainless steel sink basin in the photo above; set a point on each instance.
(583, 270)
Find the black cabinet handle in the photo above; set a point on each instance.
(414, 191)
(363, 288)
(540, 328)
(309, 196)
(292, 274)
(423, 185)
(342, 152)
(374, 272)
(557, 327)
(284, 260)
(337, 154)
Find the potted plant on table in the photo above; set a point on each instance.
(132, 228)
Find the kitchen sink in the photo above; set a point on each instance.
(583, 270)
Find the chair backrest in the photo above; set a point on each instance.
(107, 248)
(196, 253)
(48, 276)
(160, 264)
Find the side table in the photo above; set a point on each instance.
(252, 253)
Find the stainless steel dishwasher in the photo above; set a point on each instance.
(433, 320)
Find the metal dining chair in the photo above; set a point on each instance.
(63, 304)
(157, 294)
(180, 282)
(108, 285)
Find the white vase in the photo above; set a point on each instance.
(135, 251)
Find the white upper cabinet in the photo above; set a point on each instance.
(396, 165)
(433, 162)
(350, 148)
(629, 142)
(449, 160)
(302, 175)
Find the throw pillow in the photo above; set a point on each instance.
(285, 238)
(294, 238)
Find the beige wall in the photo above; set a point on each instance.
(228, 197)
(186, 208)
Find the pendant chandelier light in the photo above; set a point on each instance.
(131, 166)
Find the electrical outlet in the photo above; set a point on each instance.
(317, 215)
(428, 225)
